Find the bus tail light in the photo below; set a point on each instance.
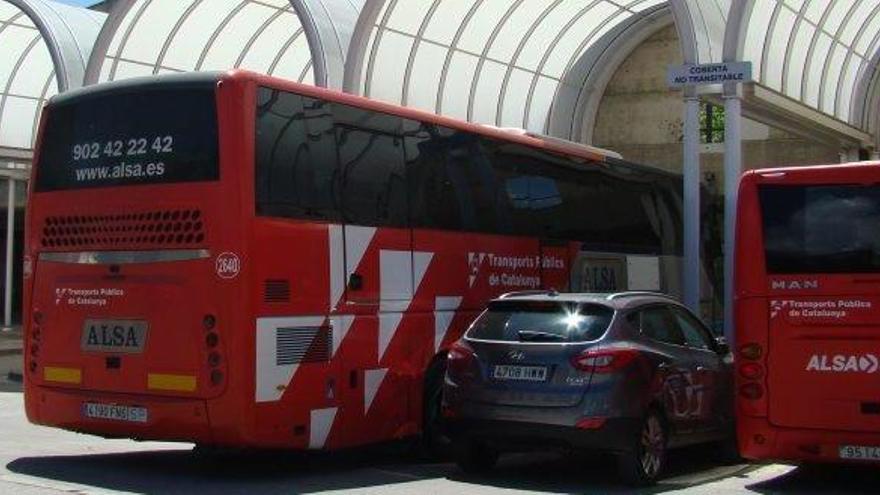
(604, 361)
(751, 391)
(212, 340)
(751, 371)
(752, 352)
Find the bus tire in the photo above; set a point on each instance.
(434, 442)
(474, 457)
(644, 462)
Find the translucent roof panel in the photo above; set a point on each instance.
(27, 77)
(498, 62)
(814, 51)
(159, 36)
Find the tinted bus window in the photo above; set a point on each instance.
(374, 189)
(821, 229)
(296, 163)
(435, 202)
(130, 138)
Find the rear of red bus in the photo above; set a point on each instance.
(807, 303)
(133, 262)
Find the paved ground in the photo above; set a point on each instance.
(36, 460)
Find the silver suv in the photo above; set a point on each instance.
(632, 373)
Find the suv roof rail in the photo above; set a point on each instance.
(549, 292)
(636, 293)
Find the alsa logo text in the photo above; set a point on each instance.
(840, 363)
(794, 284)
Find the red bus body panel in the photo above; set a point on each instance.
(818, 335)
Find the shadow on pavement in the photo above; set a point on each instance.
(821, 479)
(181, 471)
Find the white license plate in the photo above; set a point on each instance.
(115, 412)
(860, 452)
(525, 373)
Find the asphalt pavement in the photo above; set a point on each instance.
(39, 460)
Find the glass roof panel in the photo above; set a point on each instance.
(152, 29)
(31, 75)
(17, 110)
(446, 20)
(859, 16)
(388, 68)
(546, 32)
(485, 107)
(263, 50)
(124, 25)
(516, 28)
(833, 77)
(798, 57)
(773, 66)
(836, 13)
(232, 39)
(15, 41)
(815, 10)
(462, 69)
(409, 19)
(516, 97)
(481, 25)
(262, 35)
(424, 81)
(815, 66)
(185, 48)
(8, 11)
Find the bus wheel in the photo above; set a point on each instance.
(644, 462)
(434, 442)
(474, 457)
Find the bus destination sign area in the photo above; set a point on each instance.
(696, 75)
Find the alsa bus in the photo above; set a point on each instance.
(231, 259)
(807, 305)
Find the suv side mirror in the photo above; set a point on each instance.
(721, 346)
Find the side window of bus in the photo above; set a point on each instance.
(435, 202)
(296, 165)
(374, 189)
(453, 184)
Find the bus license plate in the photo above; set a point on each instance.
(525, 373)
(860, 452)
(115, 412)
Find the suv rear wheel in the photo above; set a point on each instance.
(644, 463)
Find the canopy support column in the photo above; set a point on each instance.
(691, 261)
(732, 172)
(10, 237)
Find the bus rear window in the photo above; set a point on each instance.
(821, 228)
(129, 138)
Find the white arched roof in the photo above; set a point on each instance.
(498, 62)
(303, 40)
(43, 49)
(816, 52)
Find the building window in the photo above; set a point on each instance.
(711, 123)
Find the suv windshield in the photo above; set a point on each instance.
(541, 321)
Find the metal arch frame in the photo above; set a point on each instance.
(65, 42)
(846, 64)
(575, 105)
(866, 94)
(690, 40)
(319, 25)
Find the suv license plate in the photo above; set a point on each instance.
(525, 373)
(115, 412)
(860, 452)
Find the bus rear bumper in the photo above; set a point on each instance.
(760, 440)
(167, 418)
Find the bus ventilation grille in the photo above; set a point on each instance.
(276, 291)
(297, 345)
(148, 229)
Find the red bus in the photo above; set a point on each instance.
(807, 310)
(236, 260)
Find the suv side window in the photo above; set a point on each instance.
(658, 323)
(694, 334)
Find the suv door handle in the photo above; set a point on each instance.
(663, 367)
(702, 369)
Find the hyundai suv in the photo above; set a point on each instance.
(630, 373)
